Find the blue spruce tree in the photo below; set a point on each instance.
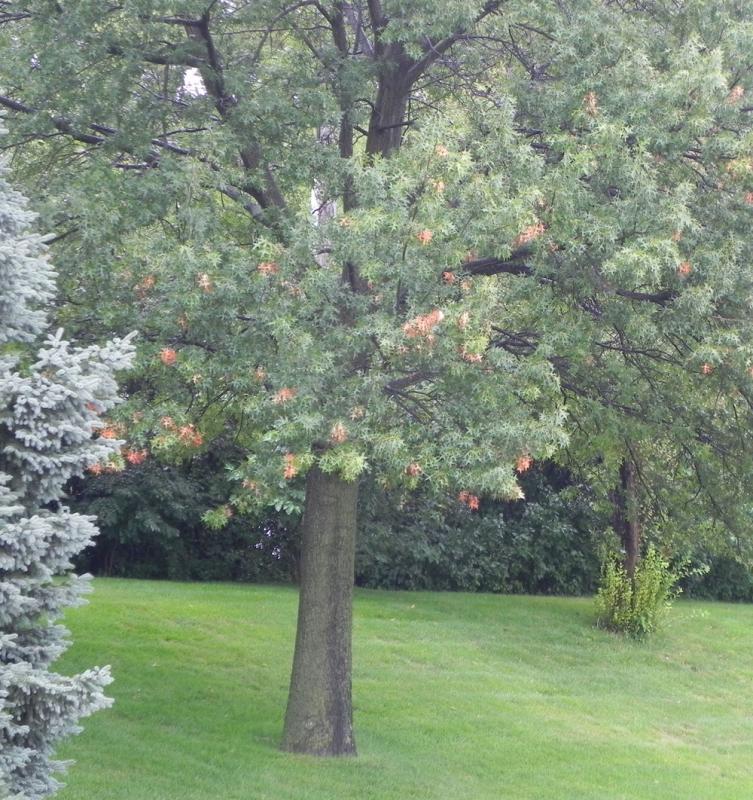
(51, 399)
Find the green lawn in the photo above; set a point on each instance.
(456, 696)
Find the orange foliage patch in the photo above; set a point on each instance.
(470, 500)
(736, 95)
(168, 356)
(290, 468)
(338, 434)
(190, 436)
(283, 396)
(591, 104)
(529, 234)
(423, 325)
(136, 456)
(471, 358)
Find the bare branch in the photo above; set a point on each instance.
(281, 15)
(399, 384)
(213, 75)
(496, 266)
(378, 21)
(182, 21)
(355, 20)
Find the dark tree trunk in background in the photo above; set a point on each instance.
(388, 122)
(319, 718)
(626, 517)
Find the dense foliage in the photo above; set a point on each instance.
(584, 211)
(151, 526)
(150, 520)
(720, 578)
(547, 545)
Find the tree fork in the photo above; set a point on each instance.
(319, 717)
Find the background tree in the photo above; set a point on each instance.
(506, 209)
(645, 136)
(51, 397)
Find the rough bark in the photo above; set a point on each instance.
(319, 718)
(626, 518)
(388, 119)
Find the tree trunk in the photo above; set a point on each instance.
(387, 123)
(626, 518)
(319, 718)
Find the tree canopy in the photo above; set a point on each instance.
(433, 240)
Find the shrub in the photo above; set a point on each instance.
(636, 606)
(421, 541)
(151, 525)
(721, 577)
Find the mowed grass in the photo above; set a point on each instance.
(456, 696)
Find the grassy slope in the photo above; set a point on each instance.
(457, 696)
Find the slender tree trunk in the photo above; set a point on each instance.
(626, 517)
(319, 718)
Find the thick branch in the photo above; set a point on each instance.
(516, 266)
(663, 298)
(65, 126)
(106, 132)
(354, 19)
(183, 21)
(378, 21)
(496, 266)
(171, 58)
(400, 384)
(214, 80)
(433, 51)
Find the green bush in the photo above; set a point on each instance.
(720, 578)
(636, 606)
(151, 526)
(421, 541)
